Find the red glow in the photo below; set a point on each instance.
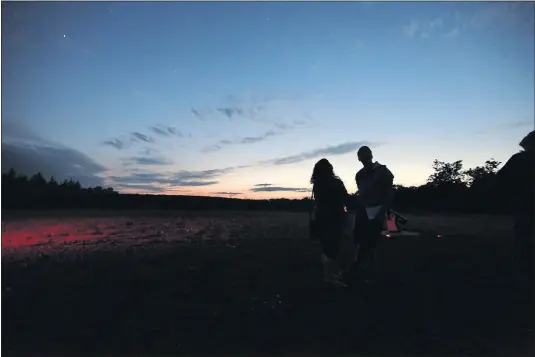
(49, 232)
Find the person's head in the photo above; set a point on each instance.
(365, 156)
(528, 143)
(323, 171)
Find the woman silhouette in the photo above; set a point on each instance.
(330, 197)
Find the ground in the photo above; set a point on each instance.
(95, 283)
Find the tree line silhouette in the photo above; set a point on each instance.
(450, 188)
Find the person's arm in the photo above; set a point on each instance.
(347, 198)
(387, 190)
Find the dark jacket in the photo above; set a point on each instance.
(330, 198)
(375, 186)
(516, 183)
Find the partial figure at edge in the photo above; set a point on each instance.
(516, 179)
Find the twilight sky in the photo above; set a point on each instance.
(244, 98)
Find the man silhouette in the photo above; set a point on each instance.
(374, 196)
(516, 180)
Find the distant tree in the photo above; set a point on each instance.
(482, 175)
(110, 190)
(52, 183)
(446, 174)
(11, 175)
(38, 180)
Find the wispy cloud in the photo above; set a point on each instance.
(241, 141)
(423, 29)
(230, 112)
(454, 32)
(151, 161)
(500, 14)
(279, 189)
(521, 124)
(501, 127)
(227, 193)
(142, 137)
(484, 15)
(263, 185)
(116, 143)
(166, 131)
(340, 149)
(142, 188)
(250, 112)
(180, 178)
(197, 114)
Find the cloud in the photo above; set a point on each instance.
(28, 153)
(255, 139)
(148, 151)
(211, 148)
(166, 131)
(453, 33)
(230, 112)
(410, 29)
(484, 15)
(340, 149)
(520, 124)
(140, 178)
(180, 178)
(150, 188)
(423, 29)
(279, 189)
(197, 183)
(159, 131)
(142, 137)
(227, 193)
(201, 114)
(501, 127)
(256, 108)
(144, 160)
(500, 14)
(268, 187)
(241, 141)
(116, 143)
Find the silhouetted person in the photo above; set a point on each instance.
(516, 180)
(330, 197)
(375, 192)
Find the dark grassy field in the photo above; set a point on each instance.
(250, 283)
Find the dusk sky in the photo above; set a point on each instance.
(210, 98)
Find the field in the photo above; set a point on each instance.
(232, 283)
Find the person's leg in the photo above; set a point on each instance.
(330, 244)
(372, 237)
(359, 244)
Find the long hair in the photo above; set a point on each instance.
(323, 172)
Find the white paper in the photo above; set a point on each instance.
(372, 211)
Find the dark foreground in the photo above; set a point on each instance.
(447, 296)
